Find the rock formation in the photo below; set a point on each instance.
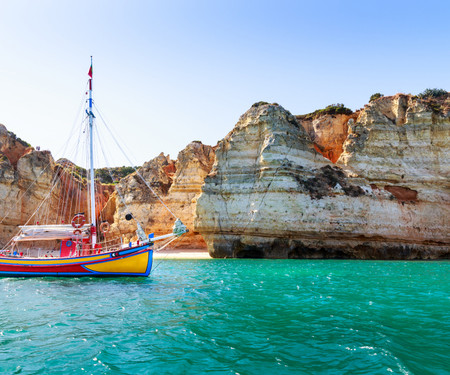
(178, 183)
(271, 194)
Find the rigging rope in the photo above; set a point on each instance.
(63, 147)
(136, 170)
(117, 189)
(159, 249)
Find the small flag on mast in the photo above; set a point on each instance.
(90, 79)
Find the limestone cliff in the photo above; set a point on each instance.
(271, 194)
(178, 183)
(19, 166)
(16, 183)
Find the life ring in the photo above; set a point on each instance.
(77, 232)
(105, 227)
(78, 220)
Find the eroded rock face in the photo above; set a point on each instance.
(328, 132)
(401, 140)
(178, 183)
(271, 194)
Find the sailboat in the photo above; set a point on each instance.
(77, 244)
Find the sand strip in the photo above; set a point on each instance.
(181, 254)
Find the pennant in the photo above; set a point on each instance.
(90, 72)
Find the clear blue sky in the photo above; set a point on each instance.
(170, 72)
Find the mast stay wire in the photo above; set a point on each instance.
(122, 199)
(71, 170)
(131, 163)
(63, 147)
(34, 213)
(55, 180)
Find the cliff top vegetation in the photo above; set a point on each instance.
(436, 99)
(332, 109)
(257, 104)
(113, 175)
(375, 97)
(433, 93)
(103, 175)
(17, 139)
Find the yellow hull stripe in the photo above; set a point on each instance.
(132, 264)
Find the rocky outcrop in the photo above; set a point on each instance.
(177, 183)
(11, 147)
(271, 194)
(401, 139)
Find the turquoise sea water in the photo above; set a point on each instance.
(233, 317)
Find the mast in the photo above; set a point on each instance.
(91, 159)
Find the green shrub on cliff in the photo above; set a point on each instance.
(17, 139)
(433, 93)
(375, 97)
(332, 109)
(257, 104)
(105, 176)
(112, 175)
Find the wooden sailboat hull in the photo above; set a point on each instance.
(136, 261)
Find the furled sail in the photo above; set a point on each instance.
(51, 232)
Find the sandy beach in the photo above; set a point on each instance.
(182, 254)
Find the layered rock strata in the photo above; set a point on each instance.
(271, 194)
(19, 196)
(177, 183)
